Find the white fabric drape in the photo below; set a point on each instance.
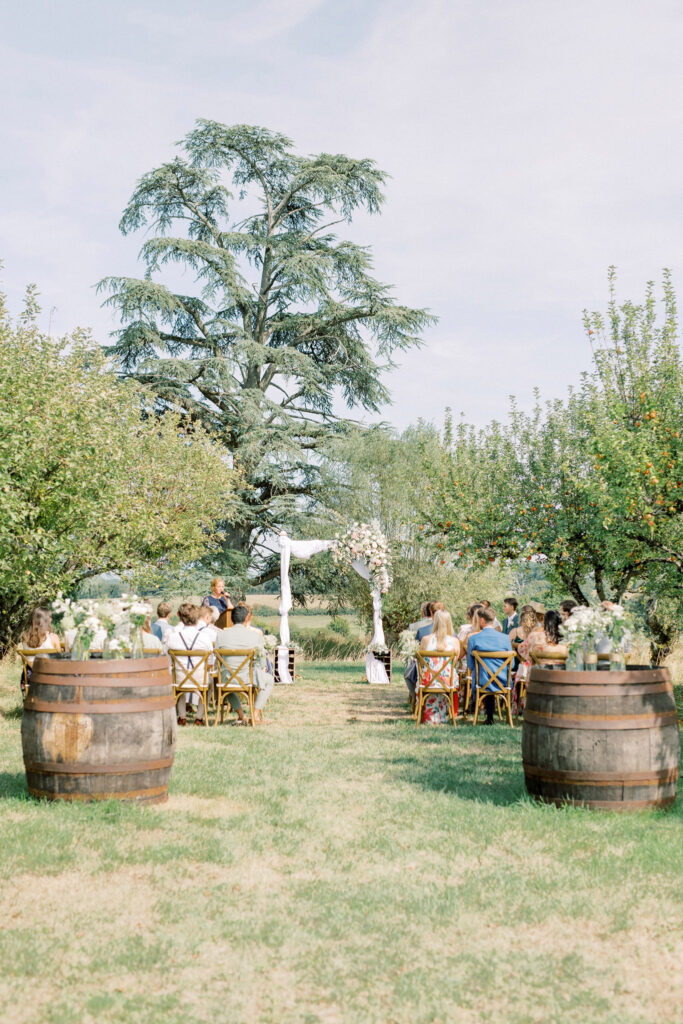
(374, 669)
(300, 549)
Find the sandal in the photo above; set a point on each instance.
(182, 721)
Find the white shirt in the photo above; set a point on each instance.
(189, 638)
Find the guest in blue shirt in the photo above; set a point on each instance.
(487, 639)
(434, 607)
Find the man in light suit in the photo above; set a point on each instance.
(239, 637)
(487, 639)
(511, 618)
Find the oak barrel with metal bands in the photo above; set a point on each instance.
(605, 740)
(99, 730)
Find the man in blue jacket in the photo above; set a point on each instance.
(487, 639)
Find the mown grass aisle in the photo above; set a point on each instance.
(314, 869)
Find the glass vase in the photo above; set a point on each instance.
(137, 649)
(80, 649)
(590, 657)
(108, 651)
(575, 660)
(617, 661)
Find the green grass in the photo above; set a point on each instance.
(312, 870)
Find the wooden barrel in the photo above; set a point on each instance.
(99, 730)
(605, 740)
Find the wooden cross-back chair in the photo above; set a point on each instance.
(27, 654)
(230, 681)
(438, 665)
(496, 678)
(190, 674)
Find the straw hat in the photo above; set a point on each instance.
(538, 608)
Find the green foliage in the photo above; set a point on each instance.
(278, 323)
(592, 486)
(91, 480)
(340, 626)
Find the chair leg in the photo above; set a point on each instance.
(508, 706)
(204, 700)
(477, 700)
(500, 713)
(418, 709)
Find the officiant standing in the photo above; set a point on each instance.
(219, 598)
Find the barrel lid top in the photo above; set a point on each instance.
(571, 678)
(96, 667)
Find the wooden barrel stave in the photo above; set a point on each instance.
(610, 742)
(99, 730)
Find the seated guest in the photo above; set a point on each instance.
(434, 607)
(496, 623)
(566, 608)
(487, 639)
(151, 644)
(410, 673)
(191, 635)
(208, 614)
(472, 624)
(527, 622)
(551, 624)
(441, 638)
(163, 620)
(510, 616)
(240, 637)
(39, 635)
(424, 619)
(219, 597)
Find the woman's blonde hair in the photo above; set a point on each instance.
(443, 627)
(527, 619)
(215, 581)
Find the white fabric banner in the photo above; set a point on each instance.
(374, 668)
(299, 549)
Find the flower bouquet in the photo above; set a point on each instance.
(587, 628)
(408, 645)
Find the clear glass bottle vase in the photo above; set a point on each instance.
(575, 659)
(137, 649)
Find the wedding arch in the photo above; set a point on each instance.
(364, 549)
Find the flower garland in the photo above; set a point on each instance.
(365, 543)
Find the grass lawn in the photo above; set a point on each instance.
(337, 864)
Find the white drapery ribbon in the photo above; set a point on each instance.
(300, 549)
(374, 668)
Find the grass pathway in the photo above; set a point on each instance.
(316, 869)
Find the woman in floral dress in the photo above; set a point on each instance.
(438, 673)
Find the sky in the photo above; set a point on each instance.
(531, 144)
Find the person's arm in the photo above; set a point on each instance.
(470, 656)
(424, 642)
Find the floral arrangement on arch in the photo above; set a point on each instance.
(365, 543)
(408, 645)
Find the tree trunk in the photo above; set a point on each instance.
(664, 631)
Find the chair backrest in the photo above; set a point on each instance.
(495, 680)
(438, 666)
(231, 666)
(550, 654)
(27, 654)
(190, 669)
